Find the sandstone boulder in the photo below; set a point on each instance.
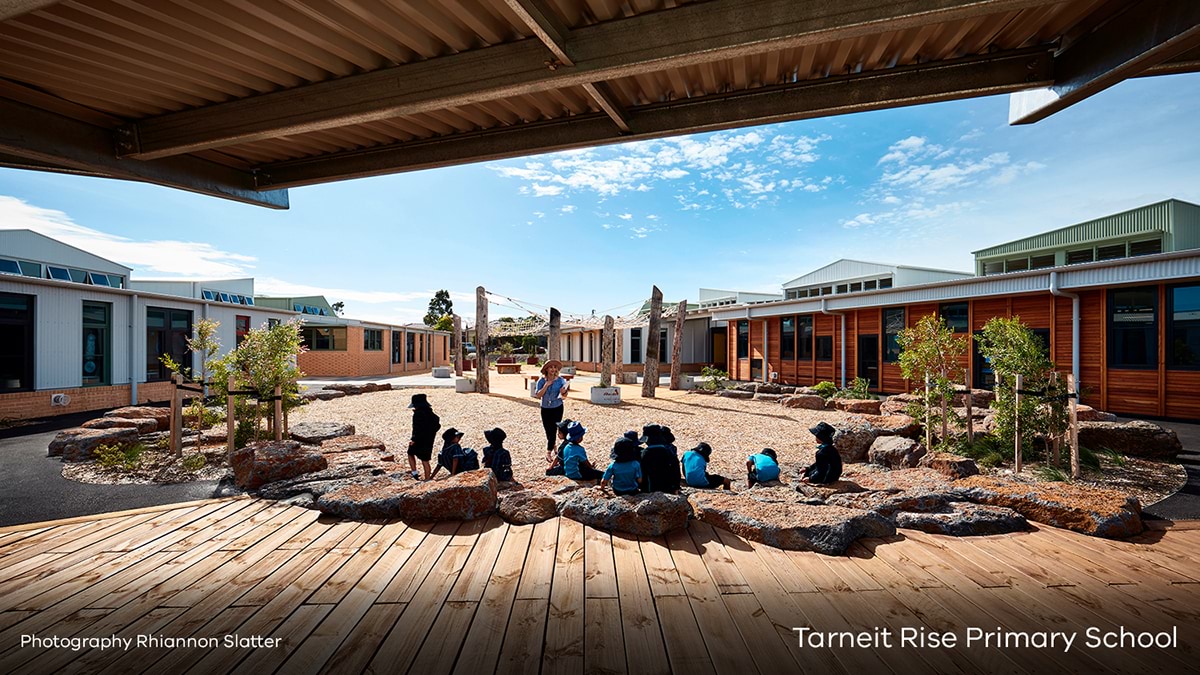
(1095, 511)
(898, 404)
(217, 435)
(773, 398)
(853, 440)
(950, 465)
(798, 527)
(751, 387)
(917, 480)
(963, 519)
(1136, 438)
(313, 433)
(464, 496)
(1086, 413)
(305, 488)
(702, 391)
(353, 443)
(160, 415)
(322, 395)
(78, 445)
(895, 452)
(894, 425)
(888, 502)
(787, 389)
(823, 492)
(143, 425)
(980, 398)
(265, 462)
(768, 388)
(862, 406)
(805, 401)
(648, 515)
(735, 393)
(526, 507)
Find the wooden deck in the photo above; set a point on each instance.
(558, 597)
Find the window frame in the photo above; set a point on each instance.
(635, 345)
(28, 356)
(787, 338)
(239, 332)
(310, 333)
(372, 339)
(155, 370)
(942, 315)
(820, 341)
(743, 339)
(804, 325)
(106, 330)
(890, 343)
(1169, 317)
(1149, 330)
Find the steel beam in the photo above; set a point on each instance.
(1144, 35)
(695, 33)
(942, 81)
(52, 142)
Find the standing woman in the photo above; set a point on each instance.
(551, 389)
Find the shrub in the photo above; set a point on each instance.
(125, 457)
(1050, 473)
(194, 462)
(826, 390)
(1111, 455)
(858, 389)
(715, 378)
(986, 450)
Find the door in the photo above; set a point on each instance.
(868, 359)
(720, 348)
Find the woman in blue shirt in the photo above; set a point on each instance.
(552, 389)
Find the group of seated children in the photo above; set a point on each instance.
(453, 457)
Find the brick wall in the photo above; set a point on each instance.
(34, 404)
(357, 362)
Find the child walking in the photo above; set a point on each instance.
(425, 426)
(625, 471)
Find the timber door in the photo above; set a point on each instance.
(868, 359)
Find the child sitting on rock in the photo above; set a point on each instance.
(575, 460)
(555, 457)
(453, 457)
(762, 468)
(828, 467)
(625, 471)
(660, 466)
(630, 435)
(695, 469)
(495, 456)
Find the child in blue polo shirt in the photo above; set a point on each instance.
(575, 460)
(625, 471)
(695, 469)
(762, 467)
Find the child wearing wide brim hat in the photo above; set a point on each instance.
(495, 456)
(762, 468)
(695, 469)
(828, 465)
(425, 425)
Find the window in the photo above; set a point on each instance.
(1148, 247)
(957, 316)
(225, 297)
(241, 328)
(1183, 329)
(1110, 252)
(397, 353)
(16, 342)
(1038, 262)
(167, 333)
(9, 266)
(1133, 327)
(635, 345)
(893, 323)
(207, 294)
(869, 285)
(410, 348)
(824, 347)
(663, 354)
(993, 268)
(59, 273)
(791, 295)
(1084, 255)
(743, 339)
(324, 338)
(592, 347)
(99, 279)
(841, 288)
(78, 276)
(826, 290)
(569, 342)
(804, 333)
(856, 287)
(249, 301)
(97, 345)
(885, 283)
(1016, 265)
(787, 338)
(372, 340)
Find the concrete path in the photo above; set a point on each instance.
(1185, 504)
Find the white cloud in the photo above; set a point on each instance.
(909, 149)
(569, 208)
(859, 220)
(1010, 173)
(651, 217)
(625, 216)
(640, 232)
(672, 174)
(938, 178)
(546, 190)
(539, 214)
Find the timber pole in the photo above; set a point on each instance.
(606, 352)
(677, 347)
(618, 355)
(458, 348)
(481, 341)
(554, 341)
(650, 370)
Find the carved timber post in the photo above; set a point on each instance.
(554, 342)
(458, 349)
(606, 352)
(618, 355)
(677, 346)
(650, 371)
(481, 341)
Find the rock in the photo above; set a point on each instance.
(554, 486)
(317, 483)
(78, 445)
(160, 415)
(735, 393)
(313, 433)
(703, 392)
(823, 492)
(1094, 511)
(917, 480)
(526, 507)
(351, 444)
(863, 406)
(769, 397)
(463, 496)
(1136, 438)
(143, 425)
(216, 435)
(322, 395)
(895, 452)
(805, 401)
(963, 519)
(1086, 413)
(266, 462)
(797, 527)
(853, 440)
(751, 387)
(888, 502)
(894, 425)
(647, 515)
(949, 465)
(769, 388)
(980, 398)
(787, 389)
(898, 404)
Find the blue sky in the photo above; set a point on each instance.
(593, 230)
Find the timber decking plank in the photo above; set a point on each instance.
(408, 579)
(539, 564)
(640, 626)
(486, 636)
(660, 568)
(477, 571)
(687, 650)
(724, 573)
(521, 651)
(357, 650)
(222, 624)
(600, 573)
(91, 660)
(604, 648)
(449, 631)
(1130, 556)
(291, 633)
(563, 650)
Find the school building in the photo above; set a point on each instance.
(1117, 300)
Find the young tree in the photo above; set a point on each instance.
(931, 355)
(439, 306)
(445, 322)
(1013, 349)
(265, 359)
(204, 346)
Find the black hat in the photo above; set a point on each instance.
(704, 450)
(451, 434)
(625, 450)
(632, 435)
(418, 401)
(823, 431)
(495, 436)
(650, 432)
(770, 453)
(667, 436)
(562, 426)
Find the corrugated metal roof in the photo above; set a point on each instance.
(1149, 219)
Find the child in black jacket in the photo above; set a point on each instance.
(660, 465)
(828, 467)
(495, 456)
(425, 426)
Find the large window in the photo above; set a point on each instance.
(663, 354)
(635, 345)
(410, 348)
(1183, 327)
(324, 338)
(787, 338)
(804, 336)
(167, 332)
(372, 340)
(1133, 327)
(16, 342)
(893, 323)
(397, 353)
(743, 339)
(241, 328)
(824, 347)
(97, 345)
(957, 316)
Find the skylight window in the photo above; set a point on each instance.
(78, 276)
(208, 295)
(30, 269)
(249, 301)
(59, 273)
(9, 266)
(297, 308)
(225, 297)
(100, 279)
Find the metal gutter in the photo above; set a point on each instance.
(1055, 290)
